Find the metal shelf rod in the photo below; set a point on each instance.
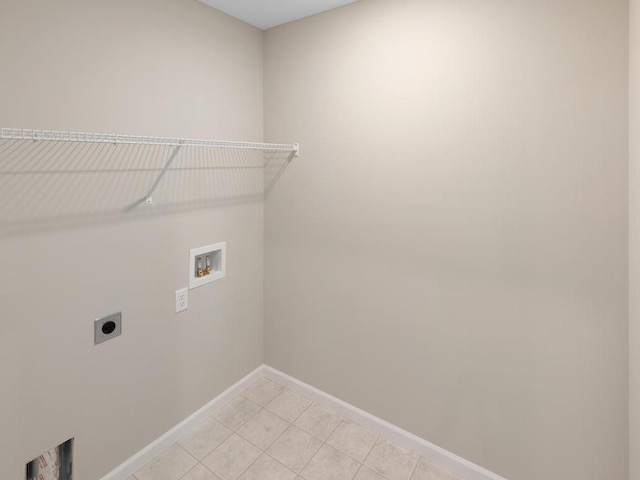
(60, 136)
(148, 199)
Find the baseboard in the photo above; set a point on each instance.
(455, 464)
(155, 448)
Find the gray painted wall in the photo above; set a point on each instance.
(450, 253)
(634, 242)
(161, 67)
(447, 254)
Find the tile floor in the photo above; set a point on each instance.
(271, 433)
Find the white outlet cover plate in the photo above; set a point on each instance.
(182, 300)
(220, 270)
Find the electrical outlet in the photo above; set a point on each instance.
(106, 328)
(182, 300)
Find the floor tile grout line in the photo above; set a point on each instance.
(258, 446)
(246, 420)
(235, 431)
(287, 467)
(370, 450)
(250, 464)
(281, 417)
(362, 465)
(192, 455)
(373, 469)
(348, 455)
(285, 389)
(289, 423)
(385, 476)
(298, 474)
(309, 461)
(304, 410)
(175, 444)
(340, 451)
(205, 466)
(188, 471)
(285, 419)
(279, 436)
(324, 442)
(263, 451)
(415, 467)
(282, 387)
(311, 458)
(214, 448)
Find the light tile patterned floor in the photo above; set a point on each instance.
(271, 433)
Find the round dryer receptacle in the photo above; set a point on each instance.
(108, 327)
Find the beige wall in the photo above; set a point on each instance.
(449, 253)
(634, 243)
(161, 67)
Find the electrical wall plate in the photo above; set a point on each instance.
(182, 300)
(212, 256)
(106, 328)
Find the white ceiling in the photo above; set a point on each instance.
(270, 13)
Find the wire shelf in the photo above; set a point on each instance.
(30, 152)
(88, 137)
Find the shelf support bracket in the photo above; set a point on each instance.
(294, 153)
(148, 197)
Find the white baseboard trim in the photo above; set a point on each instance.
(439, 456)
(155, 448)
(455, 464)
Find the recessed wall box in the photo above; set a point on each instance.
(207, 264)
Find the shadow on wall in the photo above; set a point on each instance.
(49, 185)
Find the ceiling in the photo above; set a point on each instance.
(270, 13)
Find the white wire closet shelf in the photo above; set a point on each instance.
(163, 151)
